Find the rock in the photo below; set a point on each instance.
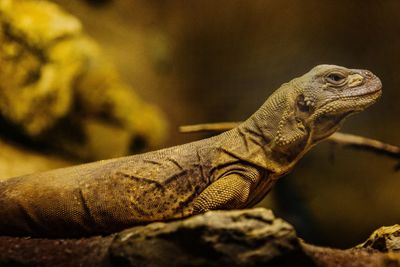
(54, 252)
(35, 86)
(252, 237)
(54, 79)
(386, 238)
(217, 238)
(330, 257)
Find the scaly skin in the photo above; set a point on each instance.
(233, 170)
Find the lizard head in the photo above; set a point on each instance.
(321, 99)
(331, 93)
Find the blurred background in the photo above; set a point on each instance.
(190, 62)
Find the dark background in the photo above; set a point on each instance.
(208, 61)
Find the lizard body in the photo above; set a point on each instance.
(235, 169)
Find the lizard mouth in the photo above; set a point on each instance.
(377, 92)
(358, 99)
(347, 105)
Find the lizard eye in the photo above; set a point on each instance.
(335, 78)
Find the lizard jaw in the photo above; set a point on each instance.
(354, 103)
(329, 117)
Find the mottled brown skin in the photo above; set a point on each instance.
(233, 170)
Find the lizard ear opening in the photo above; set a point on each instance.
(304, 104)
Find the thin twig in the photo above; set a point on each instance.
(342, 139)
(361, 142)
(209, 127)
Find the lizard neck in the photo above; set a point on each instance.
(262, 130)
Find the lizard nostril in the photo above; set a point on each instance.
(368, 74)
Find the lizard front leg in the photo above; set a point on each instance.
(229, 192)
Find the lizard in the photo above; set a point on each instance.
(233, 170)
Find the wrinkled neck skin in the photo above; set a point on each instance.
(274, 132)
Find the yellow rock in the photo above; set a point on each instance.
(52, 72)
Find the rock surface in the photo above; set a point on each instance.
(386, 238)
(59, 90)
(217, 238)
(252, 237)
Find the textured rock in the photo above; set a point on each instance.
(217, 238)
(252, 237)
(35, 83)
(386, 238)
(329, 257)
(85, 252)
(54, 80)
